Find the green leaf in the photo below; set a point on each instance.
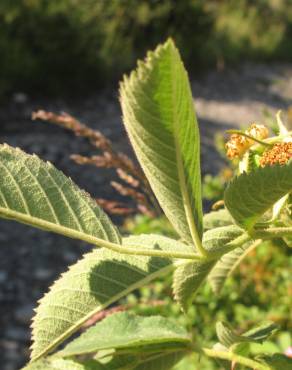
(249, 196)
(160, 361)
(60, 364)
(101, 278)
(229, 338)
(159, 116)
(189, 276)
(36, 193)
(217, 219)
(126, 331)
(217, 241)
(276, 361)
(227, 264)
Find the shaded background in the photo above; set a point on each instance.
(68, 55)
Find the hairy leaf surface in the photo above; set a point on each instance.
(128, 331)
(189, 276)
(217, 219)
(99, 279)
(249, 196)
(159, 117)
(227, 264)
(36, 193)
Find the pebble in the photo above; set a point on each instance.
(24, 314)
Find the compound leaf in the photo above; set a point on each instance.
(250, 195)
(99, 279)
(36, 193)
(159, 116)
(128, 331)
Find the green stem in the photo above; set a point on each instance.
(233, 357)
(249, 137)
(75, 234)
(272, 232)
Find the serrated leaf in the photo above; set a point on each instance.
(227, 264)
(228, 337)
(276, 361)
(160, 119)
(249, 196)
(99, 279)
(216, 241)
(36, 193)
(189, 276)
(126, 331)
(217, 219)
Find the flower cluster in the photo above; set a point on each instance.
(280, 153)
(239, 144)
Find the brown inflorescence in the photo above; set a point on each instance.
(280, 153)
(239, 144)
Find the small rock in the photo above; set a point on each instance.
(17, 334)
(3, 276)
(24, 314)
(20, 98)
(43, 274)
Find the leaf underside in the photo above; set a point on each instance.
(159, 116)
(99, 279)
(189, 276)
(130, 332)
(226, 265)
(250, 195)
(36, 193)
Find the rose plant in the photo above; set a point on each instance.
(160, 120)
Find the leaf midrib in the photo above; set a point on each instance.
(181, 175)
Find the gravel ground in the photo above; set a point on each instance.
(30, 260)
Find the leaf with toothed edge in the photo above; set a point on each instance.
(189, 276)
(101, 278)
(126, 331)
(227, 264)
(159, 116)
(34, 192)
(249, 196)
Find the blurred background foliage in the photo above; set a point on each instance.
(56, 46)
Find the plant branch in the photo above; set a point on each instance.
(272, 232)
(239, 132)
(233, 357)
(75, 234)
